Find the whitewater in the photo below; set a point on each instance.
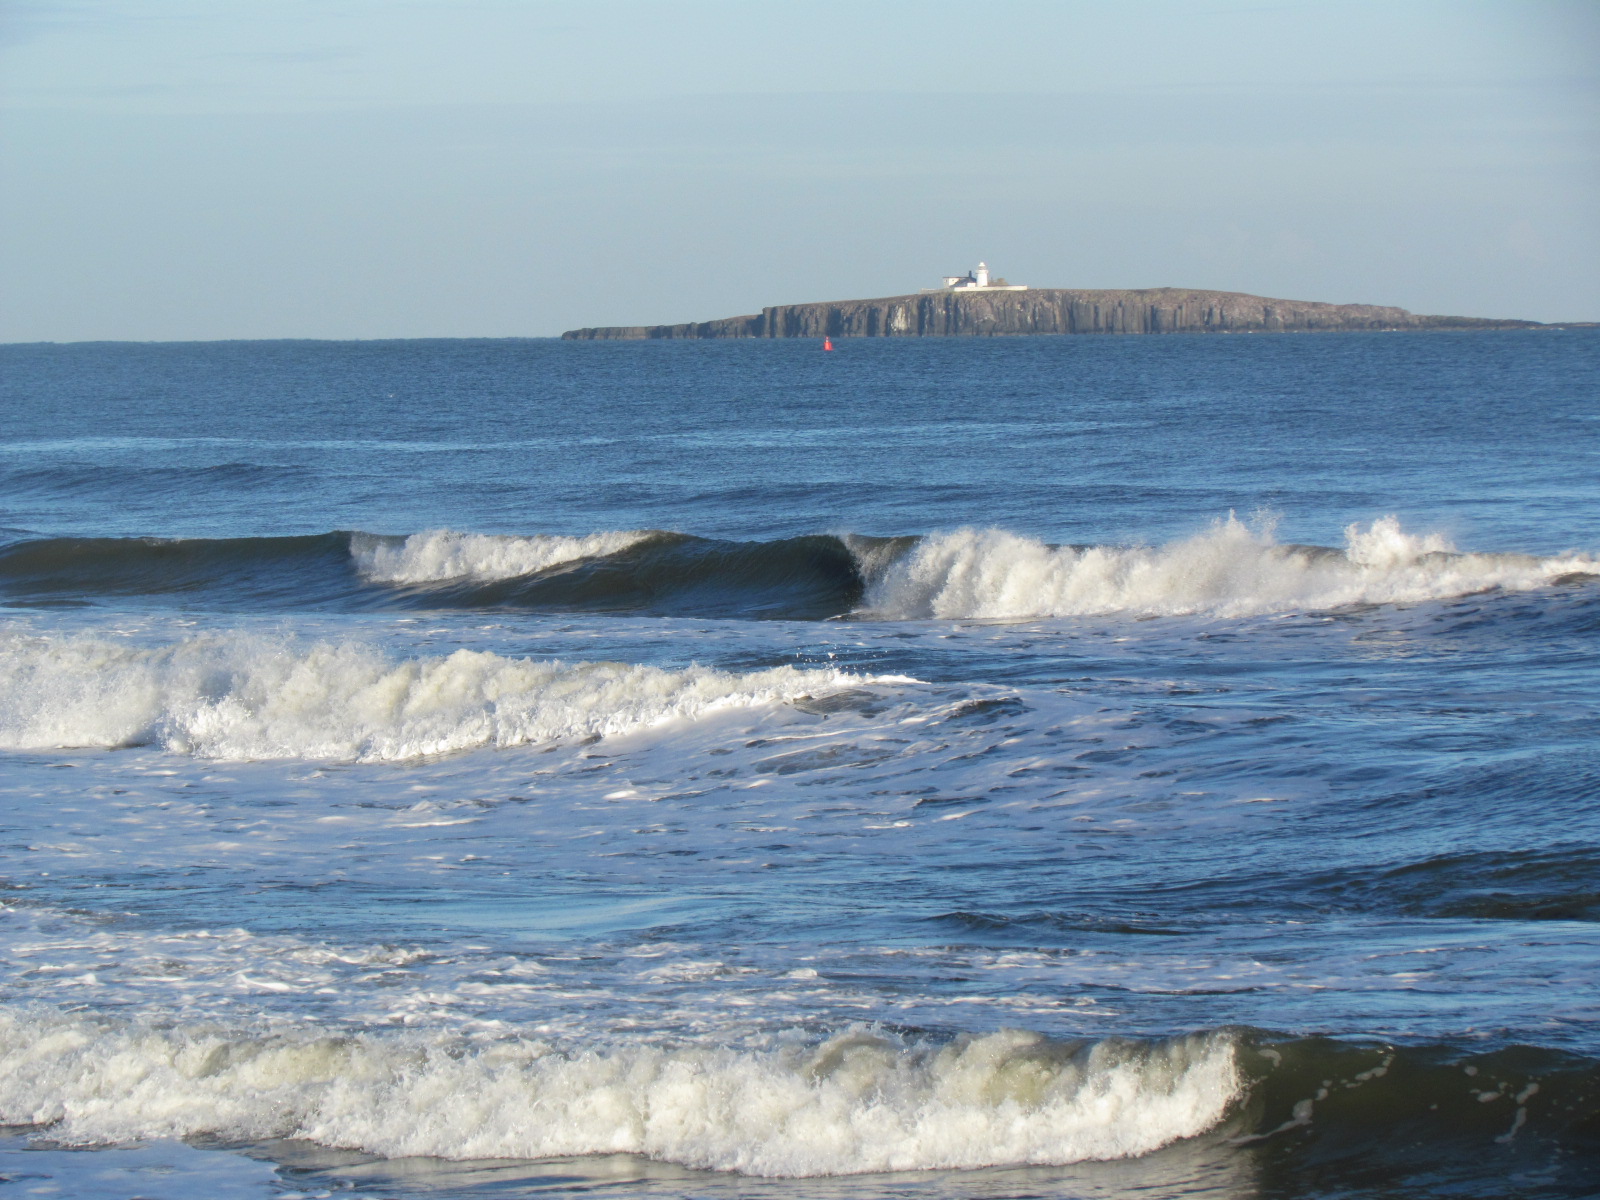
(1229, 570)
(222, 696)
(510, 768)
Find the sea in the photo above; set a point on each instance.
(1085, 767)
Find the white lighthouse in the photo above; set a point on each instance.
(982, 274)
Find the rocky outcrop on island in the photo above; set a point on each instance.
(977, 313)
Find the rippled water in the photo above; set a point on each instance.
(1072, 767)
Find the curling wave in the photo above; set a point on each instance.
(800, 578)
(1230, 570)
(235, 696)
(859, 1102)
(625, 571)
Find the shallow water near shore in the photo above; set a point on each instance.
(1065, 767)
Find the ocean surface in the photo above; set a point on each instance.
(1060, 767)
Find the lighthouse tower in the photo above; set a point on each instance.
(983, 275)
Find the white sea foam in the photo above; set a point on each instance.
(860, 1102)
(440, 554)
(1229, 570)
(237, 696)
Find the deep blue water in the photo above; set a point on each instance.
(1066, 766)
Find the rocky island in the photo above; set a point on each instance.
(973, 306)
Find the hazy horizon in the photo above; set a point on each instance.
(182, 171)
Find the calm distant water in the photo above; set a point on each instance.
(1084, 767)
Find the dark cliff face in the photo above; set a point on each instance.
(1049, 310)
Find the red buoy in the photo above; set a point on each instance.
(827, 343)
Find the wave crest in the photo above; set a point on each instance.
(441, 554)
(1229, 570)
(236, 696)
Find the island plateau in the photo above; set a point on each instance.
(973, 306)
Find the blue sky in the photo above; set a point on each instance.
(175, 169)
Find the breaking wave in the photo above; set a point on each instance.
(236, 696)
(862, 1101)
(1230, 570)
(859, 1102)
